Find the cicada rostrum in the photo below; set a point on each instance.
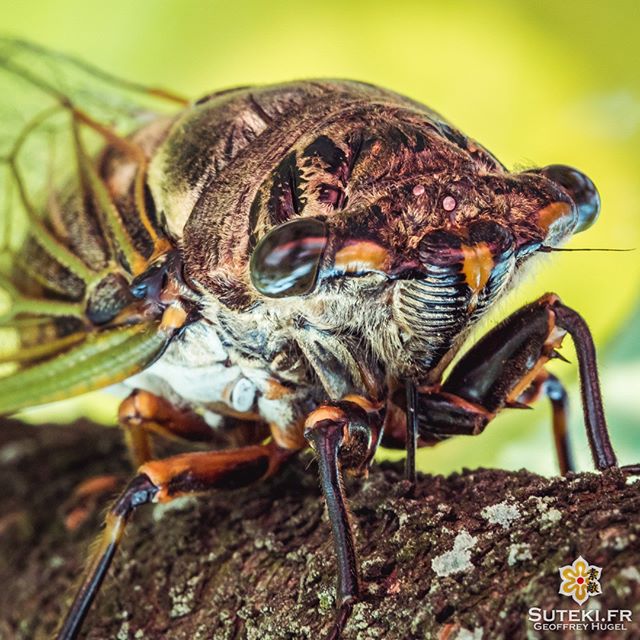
(300, 261)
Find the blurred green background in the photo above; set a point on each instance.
(537, 82)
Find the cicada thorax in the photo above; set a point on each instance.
(228, 169)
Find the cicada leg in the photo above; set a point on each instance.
(506, 367)
(631, 469)
(549, 386)
(411, 437)
(163, 481)
(344, 436)
(143, 413)
(140, 415)
(545, 384)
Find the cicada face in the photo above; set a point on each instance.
(426, 233)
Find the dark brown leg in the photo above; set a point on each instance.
(502, 366)
(595, 421)
(344, 436)
(631, 469)
(162, 481)
(412, 432)
(555, 391)
(546, 384)
(143, 413)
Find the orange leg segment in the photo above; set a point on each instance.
(143, 413)
(161, 481)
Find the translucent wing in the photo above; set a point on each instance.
(72, 236)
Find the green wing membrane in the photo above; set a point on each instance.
(71, 244)
(104, 358)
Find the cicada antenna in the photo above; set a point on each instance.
(546, 249)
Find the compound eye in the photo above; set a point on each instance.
(286, 260)
(581, 190)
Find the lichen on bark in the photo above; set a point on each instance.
(462, 557)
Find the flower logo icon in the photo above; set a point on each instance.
(580, 580)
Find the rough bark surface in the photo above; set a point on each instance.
(464, 557)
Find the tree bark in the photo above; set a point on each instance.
(463, 557)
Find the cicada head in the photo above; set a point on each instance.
(386, 229)
(409, 272)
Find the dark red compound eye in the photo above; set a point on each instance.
(580, 189)
(286, 260)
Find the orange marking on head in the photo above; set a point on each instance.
(552, 213)
(362, 255)
(477, 265)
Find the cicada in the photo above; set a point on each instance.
(300, 262)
